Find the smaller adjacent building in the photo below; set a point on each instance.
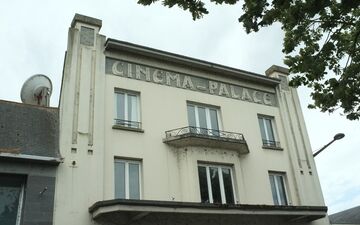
(29, 156)
(346, 217)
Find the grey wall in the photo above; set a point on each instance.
(37, 208)
(31, 130)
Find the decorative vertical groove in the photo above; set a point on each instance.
(292, 131)
(281, 104)
(76, 98)
(92, 99)
(301, 132)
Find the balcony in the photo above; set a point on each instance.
(127, 125)
(202, 137)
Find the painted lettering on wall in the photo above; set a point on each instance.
(173, 79)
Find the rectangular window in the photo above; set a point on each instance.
(216, 184)
(127, 109)
(203, 119)
(11, 196)
(267, 131)
(127, 179)
(278, 188)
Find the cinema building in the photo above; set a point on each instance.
(152, 137)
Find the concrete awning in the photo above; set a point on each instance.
(120, 211)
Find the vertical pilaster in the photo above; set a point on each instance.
(80, 178)
(298, 144)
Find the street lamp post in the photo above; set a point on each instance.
(336, 137)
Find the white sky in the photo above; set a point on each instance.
(34, 37)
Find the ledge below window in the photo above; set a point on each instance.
(119, 127)
(272, 148)
(272, 145)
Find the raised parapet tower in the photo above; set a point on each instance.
(80, 177)
(297, 141)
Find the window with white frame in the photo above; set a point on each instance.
(278, 188)
(127, 179)
(216, 184)
(11, 198)
(127, 108)
(267, 130)
(205, 118)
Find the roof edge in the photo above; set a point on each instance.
(86, 19)
(28, 105)
(276, 68)
(105, 203)
(32, 158)
(113, 44)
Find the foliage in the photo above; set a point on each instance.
(321, 44)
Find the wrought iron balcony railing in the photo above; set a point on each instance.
(127, 123)
(271, 143)
(204, 132)
(197, 136)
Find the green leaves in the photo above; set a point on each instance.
(321, 43)
(196, 8)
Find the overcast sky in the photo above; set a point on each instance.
(34, 38)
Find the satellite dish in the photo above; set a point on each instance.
(37, 90)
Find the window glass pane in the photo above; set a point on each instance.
(202, 117)
(214, 122)
(215, 185)
(191, 115)
(133, 111)
(119, 179)
(202, 120)
(10, 190)
(120, 107)
(228, 188)
(262, 129)
(282, 193)
(270, 133)
(213, 119)
(134, 185)
(273, 189)
(204, 191)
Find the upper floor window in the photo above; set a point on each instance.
(267, 130)
(278, 188)
(11, 196)
(127, 109)
(216, 184)
(203, 117)
(127, 179)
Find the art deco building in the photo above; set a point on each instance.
(152, 137)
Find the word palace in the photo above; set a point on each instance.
(164, 77)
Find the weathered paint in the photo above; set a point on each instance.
(169, 173)
(180, 80)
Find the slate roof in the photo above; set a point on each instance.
(349, 216)
(29, 129)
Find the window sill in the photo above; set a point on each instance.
(119, 127)
(273, 148)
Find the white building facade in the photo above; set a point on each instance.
(151, 137)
